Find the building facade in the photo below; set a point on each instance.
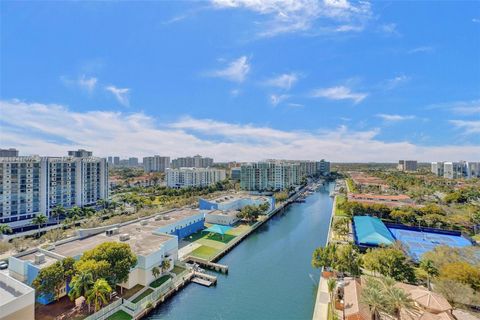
(8, 152)
(407, 165)
(193, 177)
(279, 174)
(192, 162)
(156, 164)
(437, 168)
(34, 185)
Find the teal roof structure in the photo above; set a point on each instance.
(216, 228)
(372, 231)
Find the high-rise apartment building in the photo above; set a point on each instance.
(11, 152)
(453, 170)
(133, 162)
(193, 177)
(192, 162)
(35, 185)
(156, 164)
(80, 153)
(279, 174)
(437, 168)
(116, 161)
(407, 165)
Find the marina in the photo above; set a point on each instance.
(279, 249)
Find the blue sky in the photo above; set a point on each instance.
(242, 79)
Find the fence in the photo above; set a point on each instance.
(106, 312)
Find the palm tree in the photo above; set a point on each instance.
(57, 212)
(74, 211)
(396, 299)
(155, 272)
(98, 293)
(332, 284)
(430, 269)
(165, 265)
(40, 220)
(80, 285)
(373, 297)
(5, 228)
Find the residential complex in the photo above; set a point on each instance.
(192, 162)
(455, 170)
(156, 164)
(35, 185)
(279, 174)
(193, 177)
(151, 239)
(407, 165)
(223, 210)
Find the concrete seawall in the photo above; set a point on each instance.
(320, 311)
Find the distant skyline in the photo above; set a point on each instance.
(244, 80)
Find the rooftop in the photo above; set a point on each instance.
(10, 289)
(141, 237)
(372, 231)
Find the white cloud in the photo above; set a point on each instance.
(468, 127)
(295, 105)
(339, 93)
(396, 81)
(390, 29)
(236, 70)
(275, 99)
(36, 128)
(288, 16)
(53, 129)
(284, 81)
(87, 83)
(466, 108)
(421, 49)
(83, 82)
(121, 94)
(394, 117)
(476, 20)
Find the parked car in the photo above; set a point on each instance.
(3, 265)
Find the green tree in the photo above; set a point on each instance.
(156, 272)
(390, 262)
(39, 220)
(165, 265)
(50, 280)
(462, 272)
(372, 296)
(99, 293)
(397, 300)
(118, 255)
(57, 212)
(430, 270)
(325, 256)
(5, 229)
(81, 284)
(98, 269)
(331, 285)
(349, 260)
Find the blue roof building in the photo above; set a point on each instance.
(371, 232)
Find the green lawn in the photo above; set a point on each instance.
(120, 315)
(131, 292)
(157, 283)
(210, 236)
(340, 200)
(177, 270)
(143, 295)
(204, 252)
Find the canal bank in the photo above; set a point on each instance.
(270, 271)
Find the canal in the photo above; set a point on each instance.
(270, 275)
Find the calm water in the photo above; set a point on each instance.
(270, 276)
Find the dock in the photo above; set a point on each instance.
(202, 282)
